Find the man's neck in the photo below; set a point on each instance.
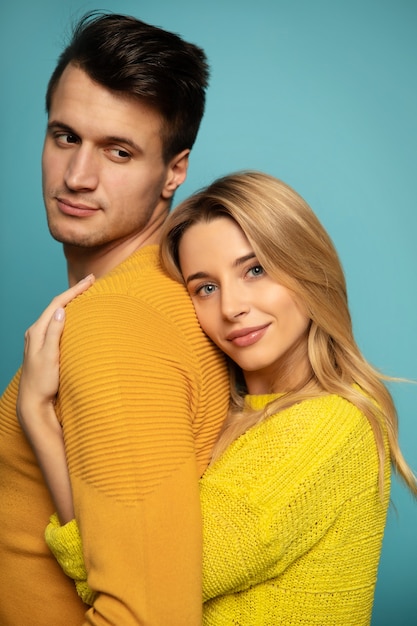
(101, 260)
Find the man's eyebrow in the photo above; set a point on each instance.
(240, 261)
(123, 140)
(57, 125)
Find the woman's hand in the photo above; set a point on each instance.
(38, 387)
(40, 370)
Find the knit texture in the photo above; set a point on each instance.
(293, 520)
(69, 555)
(142, 396)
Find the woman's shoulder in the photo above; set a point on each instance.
(326, 423)
(309, 413)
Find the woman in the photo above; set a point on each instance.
(295, 500)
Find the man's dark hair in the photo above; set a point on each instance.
(144, 62)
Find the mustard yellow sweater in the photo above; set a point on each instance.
(293, 522)
(142, 397)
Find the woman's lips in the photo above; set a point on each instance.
(247, 336)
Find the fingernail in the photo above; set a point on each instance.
(59, 314)
(87, 278)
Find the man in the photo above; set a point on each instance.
(143, 392)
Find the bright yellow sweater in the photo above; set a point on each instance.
(143, 393)
(293, 521)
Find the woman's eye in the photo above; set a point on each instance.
(256, 270)
(206, 290)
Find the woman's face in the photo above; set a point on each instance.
(249, 316)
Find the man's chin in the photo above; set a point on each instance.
(72, 241)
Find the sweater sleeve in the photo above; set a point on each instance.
(279, 488)
(265, 504)
(66, 546)
(126, 402)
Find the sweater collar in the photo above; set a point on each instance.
(258, 402)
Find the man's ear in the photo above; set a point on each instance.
(176, 174)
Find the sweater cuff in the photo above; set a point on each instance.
(66, 545)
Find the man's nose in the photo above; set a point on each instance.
(82, 170)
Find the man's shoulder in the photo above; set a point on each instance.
(140, 277)
(136, 290)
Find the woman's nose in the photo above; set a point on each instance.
(233, 304)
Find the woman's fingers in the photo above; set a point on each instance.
(50, 348)
(39, 378)
(40, 369)
(65, 297)
(36, 334)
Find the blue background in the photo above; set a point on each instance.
(322, 94)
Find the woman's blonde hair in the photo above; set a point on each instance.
(296, 251)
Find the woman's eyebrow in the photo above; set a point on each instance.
(240, 261)
(196, 276)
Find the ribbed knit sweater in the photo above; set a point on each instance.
(293, 521)
(142, 396)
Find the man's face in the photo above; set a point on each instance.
(105, 183)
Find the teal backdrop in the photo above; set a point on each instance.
(320, 93)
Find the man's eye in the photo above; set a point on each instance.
(119, 153)
(67, 138)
